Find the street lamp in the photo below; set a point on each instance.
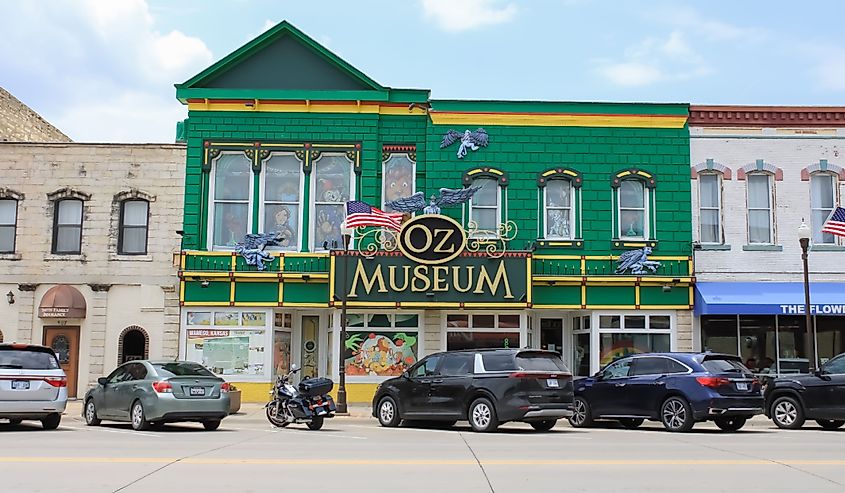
(809, 341)
(346, 233)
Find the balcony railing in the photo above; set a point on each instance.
(597, 266)
(197, 261)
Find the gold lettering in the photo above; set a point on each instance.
(440, 282)
(501, 275)
(456, 278)
(439, 248)
(391, 274)
(421, 273)
(428, 238)
(361, 274)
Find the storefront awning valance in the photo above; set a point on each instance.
(768, 298)
(62, 301)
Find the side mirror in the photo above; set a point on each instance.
(103, 381)
(406, 375)
(819, 372)
(598, 376)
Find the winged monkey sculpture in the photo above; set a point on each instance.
(637, 261)
(416, 202)
(469, 140)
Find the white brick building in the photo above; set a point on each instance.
(757, 172)
(87, 237)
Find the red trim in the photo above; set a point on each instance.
(767, 116)
(399, 148)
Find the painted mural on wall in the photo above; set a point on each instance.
(227, 342)
(383, 354)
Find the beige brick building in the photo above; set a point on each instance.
(87, 235)
(18, 123)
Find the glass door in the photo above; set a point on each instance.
(310, 344)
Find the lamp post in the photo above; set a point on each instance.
(346, 233)
(809, 339)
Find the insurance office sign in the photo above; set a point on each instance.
(431, 266)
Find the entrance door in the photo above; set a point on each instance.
(310, 346)
(65, 342)
(551, 334)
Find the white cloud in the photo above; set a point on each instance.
(465, 15)
(102, 69)
(631, 73)
(654, 60)
(691, 20)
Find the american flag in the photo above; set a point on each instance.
(835, 224)
(360, 214)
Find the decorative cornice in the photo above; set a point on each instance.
(766, 116)
(99, 287)
(68, 193)
(762, 167)
(710, 166)
(27, 287)
(8, 193)
(822, 167)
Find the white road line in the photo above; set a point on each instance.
(107, 430)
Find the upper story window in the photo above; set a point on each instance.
(8, 224)
(332, 186)
(633, 210)
(231, 189)
(822, 201)
(67, 226)
(282, 202)
(398, 177)
(760, 212)
(560, 198)
(486, 210)
(134, 227)
(710, 207)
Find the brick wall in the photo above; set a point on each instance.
(18, 123)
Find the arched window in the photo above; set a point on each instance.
(823, 199)
(710, 207)
(760, 202)
(134, 227)
(634, 204)
(488, 206)
(133, 344)
(231, 189)
(560, 190)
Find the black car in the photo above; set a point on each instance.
(677, 389)
(486, 387)
(793, 399)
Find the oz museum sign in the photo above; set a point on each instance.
(430, 262)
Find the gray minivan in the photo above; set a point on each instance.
(32, 385)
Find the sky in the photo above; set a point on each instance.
(103, 70)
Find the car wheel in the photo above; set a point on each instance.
(316, 423)
(90, 416)
(730, 424)
(388, 413)
(544, 425)
(52, 421)
(787, 413)
(482, 415)
(139, 419)
(676, 414)
(830, 424)
(15, 421)
(211, 424)
(582, 415)
(631, 423)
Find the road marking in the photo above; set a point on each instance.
(109, 430)
(418, 462)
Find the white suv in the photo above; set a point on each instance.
(32, 385)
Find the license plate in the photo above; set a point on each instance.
(20, 384)
(741, 386)
(553, 383)
(197, 391)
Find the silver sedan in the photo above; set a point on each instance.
(147, 393)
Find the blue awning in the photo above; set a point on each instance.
(768, 298)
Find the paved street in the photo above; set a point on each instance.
(354, 454)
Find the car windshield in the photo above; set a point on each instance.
(540, 362)
(724, 366)
(27, 359)
(180, 369)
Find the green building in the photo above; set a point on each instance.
(282, 132)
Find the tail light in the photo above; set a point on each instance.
(713, 382)
(162, 387)
(56, 381)
(225, 387)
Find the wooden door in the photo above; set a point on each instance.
(65, 342)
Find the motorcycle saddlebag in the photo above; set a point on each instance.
(313, 387)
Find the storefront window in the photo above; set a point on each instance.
(456, 341)
(227, 342)
(581, 355)
(830, 332)
(282, 343)
(793, 357)
(482, 331)
(757, 343)
(719, 334)
(619, 344)
(385, 347)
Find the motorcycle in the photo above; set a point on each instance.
(310, 403)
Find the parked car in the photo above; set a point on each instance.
(147, 393)
(32, 385)
(820, 396)
(487, 387)
(677, 389)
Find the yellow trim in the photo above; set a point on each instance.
(624, 173)
(611, 279)
(569, 172)
(303, 254)
(283, 146)
(643, 173)
(583, 295)
(637, 295)
(234, 263)
(549, 172)
(181, 290)
(331, 277)
(265, 280)
(182, 259)
(204, 274)
(223, 145)
(495, 171)
(561, 243)
(557, 257)
(232, 291)
(567, 307)
(528, 282)
(206, 303)
(300, 275)
(474, 172)
(310, 107)
(613, 307)
(583, 266)
(557, 120)
(256, 275)
(207, 254)
(370, 303)
(307, 305)
(281, 292)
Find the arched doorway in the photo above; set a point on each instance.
(1, 336)
(134, 344)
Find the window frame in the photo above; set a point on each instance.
(816, 229)
(313, 202)
(646, 208)
(477, 231)
(212, 201)
(570, 214)
(122, 226)
(719, 208)
(770, 179)
(56, 207)
(263, 202)
(411, 156)
(13, 226)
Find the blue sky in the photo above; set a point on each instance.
(103, 70)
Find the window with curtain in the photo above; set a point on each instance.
(560, 210)
(633, 209)
(8, 224)
(822, 199)
(710, 207)
(282, 177)
(484, 206)
(232, 180)
(134, 225)
(398, 176)
(67, 227)
(760, 208)
(332, 187)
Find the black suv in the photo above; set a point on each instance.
(486, 387)
(793, 399)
